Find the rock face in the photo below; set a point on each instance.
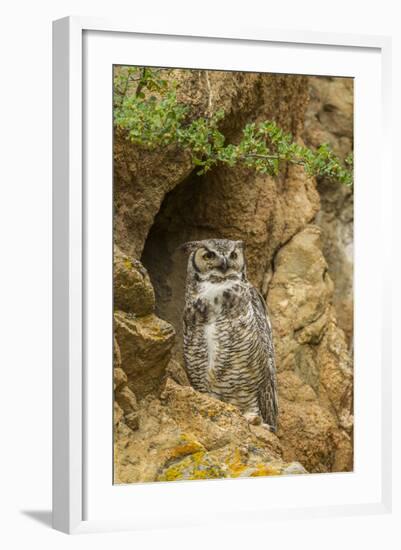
(133, 291)
(329, 119)
(315, 379)
(142, 178)
(165, 430)
(186, 435)
(144, 340)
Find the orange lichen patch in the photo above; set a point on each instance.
(265, 470)
(186, 446)
(236, 464)
(240, 466)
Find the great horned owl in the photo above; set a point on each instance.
(228, 345)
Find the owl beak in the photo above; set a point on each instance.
(224, 265)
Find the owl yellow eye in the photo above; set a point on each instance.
(209, 255)
(233, 255)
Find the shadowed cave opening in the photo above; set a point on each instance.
(180, 219)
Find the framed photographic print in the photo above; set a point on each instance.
(219, 327)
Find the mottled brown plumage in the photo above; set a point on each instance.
(228, 343)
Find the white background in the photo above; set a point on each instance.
(25, 220)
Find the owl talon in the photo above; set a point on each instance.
(253, 419)
(268, 427)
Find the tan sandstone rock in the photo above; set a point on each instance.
(145, 344)
(329, 119)
(315, 379)
(188, 435)
(133, 291)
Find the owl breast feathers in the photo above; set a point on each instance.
(228, 344)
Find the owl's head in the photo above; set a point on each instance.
(216, 259)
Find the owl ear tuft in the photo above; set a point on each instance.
(190, 246)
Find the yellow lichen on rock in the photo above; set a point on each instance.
(187, 446)
(194, 467)
(214, 465)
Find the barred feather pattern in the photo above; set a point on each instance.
(228, 345)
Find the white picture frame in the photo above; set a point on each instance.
(73, 476)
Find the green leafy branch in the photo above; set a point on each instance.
(147, 108)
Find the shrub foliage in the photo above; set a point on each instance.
(147, 109)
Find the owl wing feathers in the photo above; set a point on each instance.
(268, 401)
(195, 353)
